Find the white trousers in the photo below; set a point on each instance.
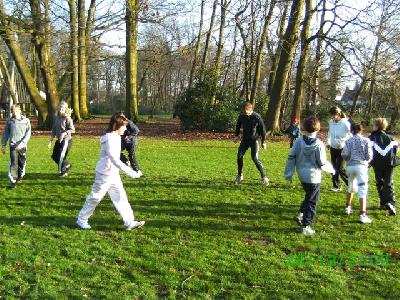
(112, 185)
(358, 180)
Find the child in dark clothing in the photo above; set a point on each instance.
(128, 143)
(384, 147)
(253, 128)
(293, 131)
(63, 127)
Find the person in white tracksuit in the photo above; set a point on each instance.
(108, 178)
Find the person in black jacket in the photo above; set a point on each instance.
(384, 147)
(253, 129)
(128, 143)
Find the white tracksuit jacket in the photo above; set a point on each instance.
(339, 133)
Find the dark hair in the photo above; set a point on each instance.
(311, 124)
(357, 128)
(335, 111)
(247, 105)
(116, 122)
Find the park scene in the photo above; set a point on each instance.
(200, 149)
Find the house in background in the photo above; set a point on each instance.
(347, 98)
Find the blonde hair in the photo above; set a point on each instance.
(14, 108)
(381, 123)
(68, 112)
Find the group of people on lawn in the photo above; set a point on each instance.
(307, 156)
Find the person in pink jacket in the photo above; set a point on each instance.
(108, 178)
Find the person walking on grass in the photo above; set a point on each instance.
(293, 131)
(108, 179)
(253, 129)
(308, 157)
(384, 148)
(357, 152)
(339, 132)
(128, 143)
(62, 129)
(18, 132)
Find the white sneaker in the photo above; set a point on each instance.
(238, 179)
(336, 190)
(83, 224)
(365, 219)
(392, 209)
(348, 210)
(135, 224)
(299, 218)
(265, 181)
(140, 173)
(307, 230)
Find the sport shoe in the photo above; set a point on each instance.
(299, 218)
(67, 168)
(365, 219)
(265, 181)
(135, 224)
(140, 173)
(83, 224)
(307, 230)
(238, 179)
(336, 190)
(348, 210)
(392, 209)
(65, 174)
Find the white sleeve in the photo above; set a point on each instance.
(117, 162)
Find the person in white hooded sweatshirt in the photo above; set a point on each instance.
(339, 132)
(108, 178)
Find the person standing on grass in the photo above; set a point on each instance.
(293, 131)
(253, 129)
(358, 153)
(18, 132)
(128, 143)
(339, 132)
(108, 178)
(384, 148)
(308, 157)
(63, 127)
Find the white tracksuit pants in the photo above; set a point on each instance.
(112, 185)
(358, 180)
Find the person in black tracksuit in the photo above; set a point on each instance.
(253, 129)
(384, 147)
(128, 143)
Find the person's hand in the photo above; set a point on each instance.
(3, 150)
(264, 145)
(49, 145)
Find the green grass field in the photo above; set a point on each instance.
(204, 237)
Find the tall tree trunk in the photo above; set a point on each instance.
(83, 108)
(275, 59)
(259, 56)
(131, 59)
(207, 43)
(217, 62)
(286, 57)
(74, 60)
(301, 66)
(40, 36)
(197, 47)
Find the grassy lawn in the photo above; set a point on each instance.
(203, 238)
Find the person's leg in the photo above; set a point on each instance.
(120, 200)
(254, 156)
(64, 164)
(132, 156)
(340, 164)
(352, 188)
(13, 169)
(21, 163)
(334, 159)
(379, 179)
(362, 180)
(56, 152)
(387, 187)
(99, 189)
(311, 201)
(123, 148)
(241, 151)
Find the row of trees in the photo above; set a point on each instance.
(288, 57)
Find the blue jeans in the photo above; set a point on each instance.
(309, 205)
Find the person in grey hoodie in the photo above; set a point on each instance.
(63, 127)
(108, 179)
(308, 157)
(18, 132)
(358, 153)
(339, 131)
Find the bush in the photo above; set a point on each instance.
(195, 111)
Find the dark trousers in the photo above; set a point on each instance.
(310, 202)
(244, 145)
(337, 163)
(131, 148)
(384, 185)
(60, 153)
(17, 164)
